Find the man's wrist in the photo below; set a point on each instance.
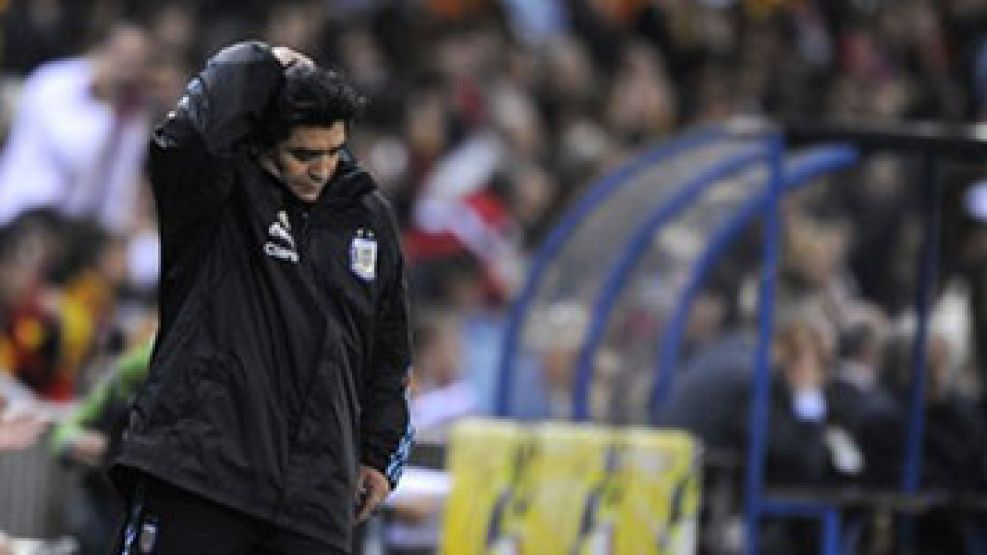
(380, 466)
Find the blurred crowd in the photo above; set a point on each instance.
(487, 118)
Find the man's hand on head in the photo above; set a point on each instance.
(289, 57)
(372, 488)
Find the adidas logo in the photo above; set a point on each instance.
(281, 244)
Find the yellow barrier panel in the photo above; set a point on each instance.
(486, 458)
(570, 489)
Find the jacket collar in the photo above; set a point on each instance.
(348, 184)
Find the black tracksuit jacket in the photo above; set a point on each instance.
(282, 357)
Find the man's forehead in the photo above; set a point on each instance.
(317, 136)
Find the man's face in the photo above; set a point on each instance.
(127, 54)
(307, 159)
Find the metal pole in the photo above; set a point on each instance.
(831, 532)
(760, 395)
(927, 269)
(928, 266)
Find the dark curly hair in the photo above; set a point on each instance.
(311, 96)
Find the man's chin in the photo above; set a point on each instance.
(308, 194)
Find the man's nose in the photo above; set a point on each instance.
(321, 169)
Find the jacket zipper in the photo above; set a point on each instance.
(303, 231)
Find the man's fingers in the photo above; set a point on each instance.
(362, 496)
(372, 489)
(371, 500)
(364, 511)
(367, 506)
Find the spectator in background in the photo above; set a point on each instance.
(641, 103)
(956, 439)
(38, 30)
(298, 25)
(30, 341)
(88, 276)
(57, 301)
(18, 430)
(174, 26)
(440, 393)
(797, 450)
(880, 204)
(77, 142)
(88, 438)
(953, 455)
(864, 405)
(955, 435)
(564, 88)
(532, 194)
(814, 265)
(801, 449)
(558, 334)
(713, 389)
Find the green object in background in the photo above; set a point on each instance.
(117, 387)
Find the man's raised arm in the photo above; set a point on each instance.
(223, 106)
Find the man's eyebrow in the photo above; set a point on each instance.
(305, 151)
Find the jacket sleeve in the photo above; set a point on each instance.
(387, 434)
(212, 124)
(226, 101)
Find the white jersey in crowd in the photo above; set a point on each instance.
(70, 151)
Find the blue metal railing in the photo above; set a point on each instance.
(760, 398)
(557, 239)
(803, 168)
(634, 249)
(927, 265)
(757, 505)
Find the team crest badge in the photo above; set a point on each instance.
(363, 254)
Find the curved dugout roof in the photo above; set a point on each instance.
(617, 276)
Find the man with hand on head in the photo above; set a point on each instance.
(274, 416)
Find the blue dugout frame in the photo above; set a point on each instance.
(772, 152)
(807, 166)
(560, 235)
(940, 144)
(634, 249)
(761, 386)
